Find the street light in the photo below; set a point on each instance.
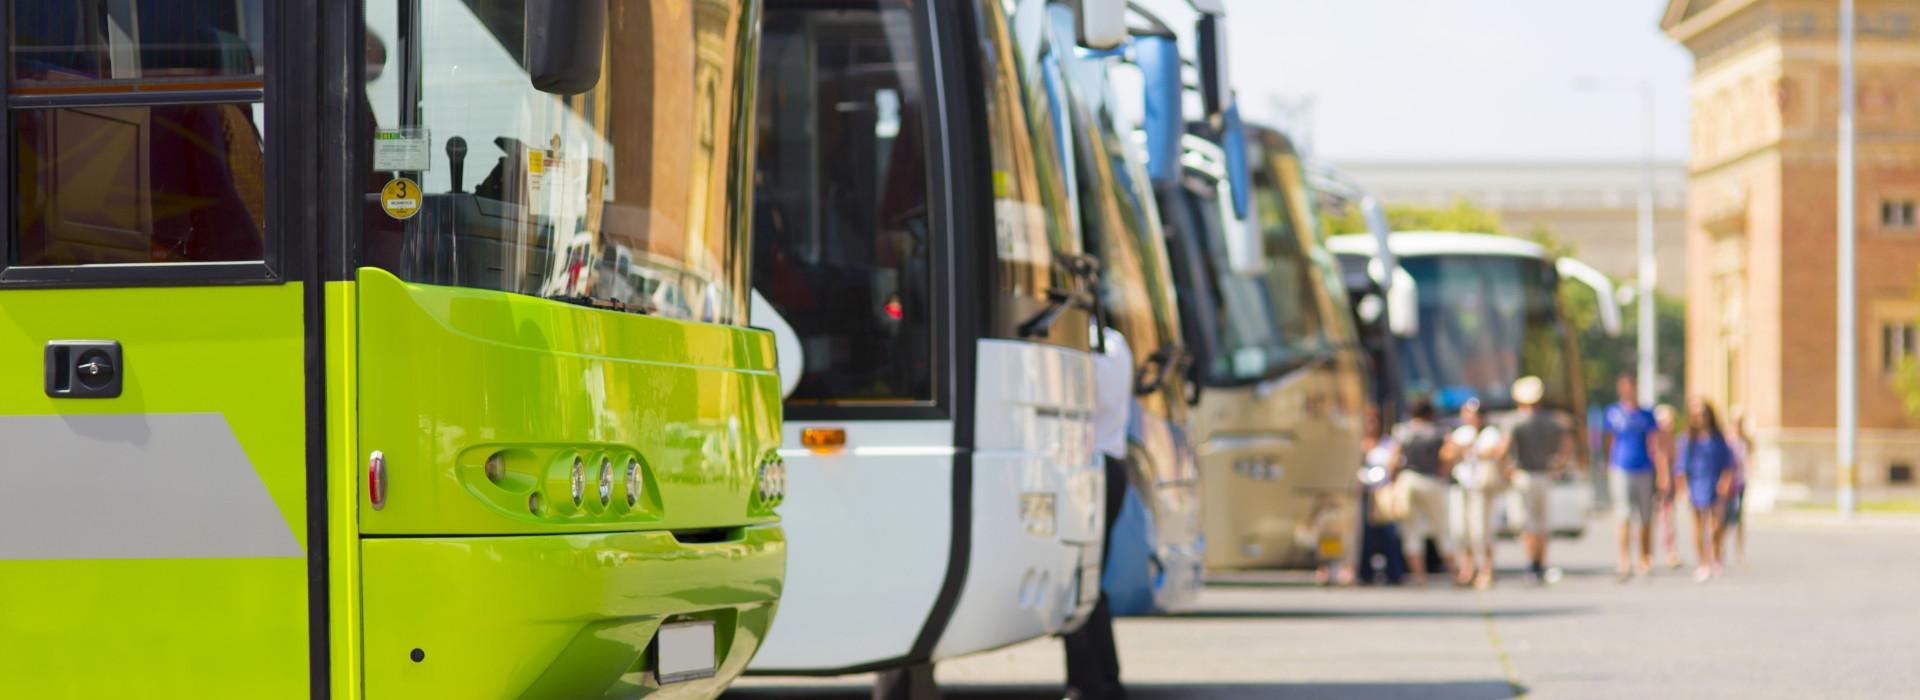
(1647, 334)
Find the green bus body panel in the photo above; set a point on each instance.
(559, 616)
(144, 625)
(450, 377)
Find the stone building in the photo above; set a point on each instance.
(1761, 242)
(1592, 205)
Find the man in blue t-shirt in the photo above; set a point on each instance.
(1639, 472)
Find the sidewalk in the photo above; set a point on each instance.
(1828, 520)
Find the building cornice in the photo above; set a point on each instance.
(1685, 29)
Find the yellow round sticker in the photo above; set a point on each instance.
(400, 198)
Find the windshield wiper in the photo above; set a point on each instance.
(607, 303)
(1085, 270)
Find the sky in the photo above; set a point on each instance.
(1463, 79)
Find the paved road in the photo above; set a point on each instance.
(1818, 611)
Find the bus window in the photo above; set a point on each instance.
(1033, 230)
(1133, 267)
(623, 196)
(842, 235)
(178, 178)
(1295, 294)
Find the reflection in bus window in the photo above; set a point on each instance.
(627, 196)
(1294, 293)
(183, 182)
(841, 226)
(1031, 216)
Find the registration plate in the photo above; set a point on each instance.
(683, 651)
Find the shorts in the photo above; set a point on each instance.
(1530, 501)
(1426, 511)
(1473, 516)
(1632, 495)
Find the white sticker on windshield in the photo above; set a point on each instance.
(1017, 227)
(402, 150)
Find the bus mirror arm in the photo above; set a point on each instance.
(1159, 368)
(1085, 271)
(1058, 301)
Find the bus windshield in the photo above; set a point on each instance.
(625, 191)
(1485, 321)
(1297, 297)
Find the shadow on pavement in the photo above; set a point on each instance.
(1374, 613)
(1441, 690)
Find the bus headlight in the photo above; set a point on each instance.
(633, 483)
(606, 481)
(773, 480)
(579, 481)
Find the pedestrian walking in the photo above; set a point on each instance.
(1665, 522)
(1636, 473)
(1478, 479)
(1705, 468)
(1422, 472)
(1381, 509)
(1092, 653)
(1538, 445)
(1731, 511)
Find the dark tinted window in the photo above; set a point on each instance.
(842, 237)
(143, 42)
(184, 182)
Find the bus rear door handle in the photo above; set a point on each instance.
(84, 369)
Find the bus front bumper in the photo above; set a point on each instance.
(560, 616)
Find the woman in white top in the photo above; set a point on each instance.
(1479, 478)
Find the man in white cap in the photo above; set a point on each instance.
(1538, 443)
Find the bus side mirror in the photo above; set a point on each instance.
(792, 361)
(1103, 23)
(1216, 86)
(1403, 305)
(1602, 288)
(564, 42)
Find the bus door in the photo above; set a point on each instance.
(154, 482)
(851, 252)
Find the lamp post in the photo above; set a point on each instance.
(1847, 421)
(1647, 336)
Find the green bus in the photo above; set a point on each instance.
(383, 349)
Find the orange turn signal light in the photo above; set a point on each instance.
(823, 438)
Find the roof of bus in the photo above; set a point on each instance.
(1408, 244)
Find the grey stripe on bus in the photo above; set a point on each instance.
(134, 486)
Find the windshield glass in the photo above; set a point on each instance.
(1485, 321)
(1137, 281)
(622, 186)
(1247, 342)
(1298, 301)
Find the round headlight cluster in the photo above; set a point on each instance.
(773, 479)
(633, 483)
(606, 482)
(578, 482)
